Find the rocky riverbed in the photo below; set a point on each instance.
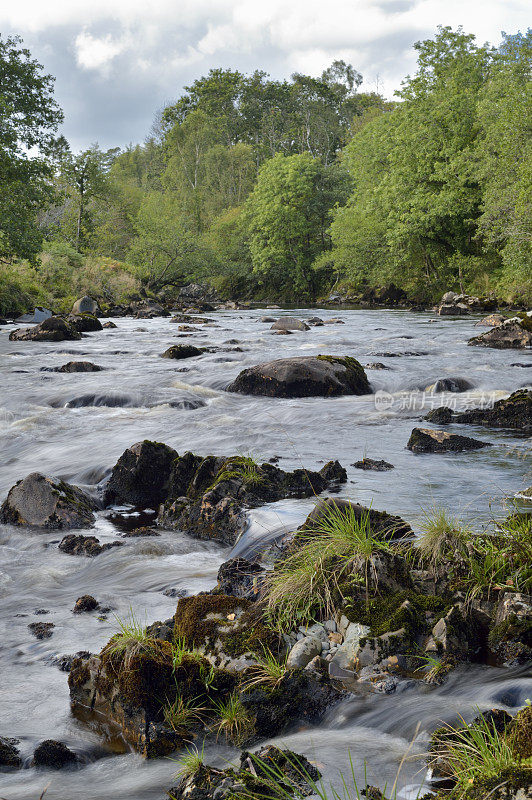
(218, 475)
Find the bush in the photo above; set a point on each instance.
(20, 288)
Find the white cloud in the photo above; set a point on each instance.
(96, 53)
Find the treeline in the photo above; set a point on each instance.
(284, 189)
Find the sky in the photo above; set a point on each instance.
(117, 62)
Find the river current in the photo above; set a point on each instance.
(47, 426)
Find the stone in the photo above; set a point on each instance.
(239, 577)
(491, 321)
(382, 523)
(427, 440)
(289, 324)
(371, 464)
(39, 315)
(53, 329)
(455, 385)
(42, 630)
(510, 637)
(85, 545)
(303, 376)
(54, 755)
(514, 413)
(179, 351)
(141, 475)
(85, 305)
(452, 309)
(85, 603)
(268, 319)
(346, 654)
(78, 366)
(41, 502)
(84, 323)
(109, 324)
(9, 753)
(303, 652)
(511, 334)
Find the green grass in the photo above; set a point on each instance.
(307, 584)
(189, 763)
(268, 671)
(180, 651)
(131, 639)
(233, 720)
(441, 535)
(181, 714)
(476, 752)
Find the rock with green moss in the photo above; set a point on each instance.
(9, 754)
(510, 637)
(513, 333)
(53, 329)
(84, 323)
(38, 501)
(304, 376)
(141, 475)
(513, 412)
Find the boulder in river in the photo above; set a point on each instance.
(85, 305)
(372, 464)
(53, 329)
(84, 545)
(9, 754)
(427, 440)
(78, 366)
(239, 577)
(303, 376)
(178, 351)
(141, 475)
(514, 333)
(491, 321)
(41, 502)
(84, 323)
(54, 755)
(42, 630)
(289, 324)
(455, 385)
(85, 603)
(514, 412)
(381, 523)
(109, 324)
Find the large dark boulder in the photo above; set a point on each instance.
(9, 754)
(289, 324)
(84, 323)
(304, 376)
(141, 475)
(514, 412)
(78, 366)
(53, 329)
(239, 577)
(427, 440)
(514, 333)
(178, 351)
(54, 755)
(41, 502)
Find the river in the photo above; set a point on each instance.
(45, 427)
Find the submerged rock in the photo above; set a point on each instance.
(456, 385)
(109, 324)
(41, 502)
(42, 630)
(141, 475)
(303, 376)
(178, 351)
(53, 329)
(372, 464)
(85, 545)
(9, 754)
(85, 603)
(427, 440)
(514, 412)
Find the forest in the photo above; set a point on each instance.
(278, 190)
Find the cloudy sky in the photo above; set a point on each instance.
(117, 61)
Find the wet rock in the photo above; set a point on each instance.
(376, 365)
(303, 376)
(452, 309)
(99, 401)
(289, 324)
(78, 366)
(54, 755)
(178, 351)
(148, 309)
(239, 577)
(42, 630)
(372, 464)
(141, 475)
(510, 638)
(491, 321)
(141, 533)
(511, 334)
(109, 324)
(514, 412)
(9, 754)
(53, 329)
(455, 385)
(85, 305)
(207, 497)
(84, 545)
(41, 502)
(64, 662)
(85, 603)
(426, 440)
(84, 323)
(268, 319)
(3, 321)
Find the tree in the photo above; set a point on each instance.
(29, 119)
(288, 215)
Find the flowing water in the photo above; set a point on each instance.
(75, 426)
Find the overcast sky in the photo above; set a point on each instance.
(117, 61)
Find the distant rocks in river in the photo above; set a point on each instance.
(289, 324)
(42, 630)
(491, 321)
(453, 304)
(515, 332)
(41, 502)
(303, 376)
(53, 329)
(178, 351)
(427, 440)
(514, 412)
(109, 324)
(39, 315)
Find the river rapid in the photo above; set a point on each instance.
(46, 427)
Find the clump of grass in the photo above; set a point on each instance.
(307, 583)
(243, 468)
(131, 639)
(267, 671)
(190, 762)
(180, 650)
(477, 751)
(234, 721)
(441, 536)
(181, 713)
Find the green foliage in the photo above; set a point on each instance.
(189, 763)
(268, 671)
(234, 721)
(20, 288)
(441, 537)
(180, 714)
(29, 117)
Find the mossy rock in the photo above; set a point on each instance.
(520, 734)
